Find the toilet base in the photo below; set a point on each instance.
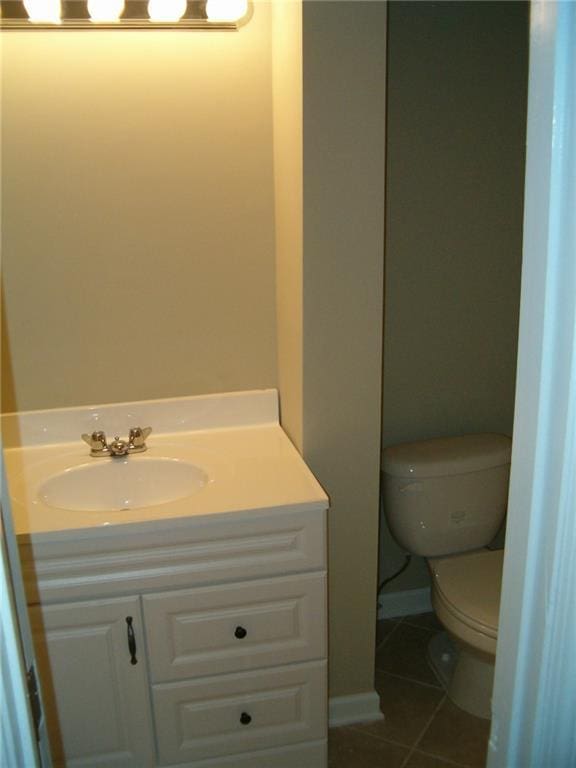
(468, 677)
(442, 657)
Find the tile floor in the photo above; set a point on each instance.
(422, 728)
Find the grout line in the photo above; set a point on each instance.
(435, 686)
(446, 760)
(423, 731)
(361, 728)
(374, 737)
(412, 750)
(407, 620)
(385, 741)
(429, 723)
(428, 630)
(388, 636)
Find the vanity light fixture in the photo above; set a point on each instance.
(123, 14)
(166, 10)
(226, 10)
(102, 11)
(43, 11)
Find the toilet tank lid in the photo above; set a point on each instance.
(447, 456)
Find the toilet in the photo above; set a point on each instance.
(445, 499)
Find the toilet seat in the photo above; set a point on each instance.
(466, 595)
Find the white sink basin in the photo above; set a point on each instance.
(109, 485)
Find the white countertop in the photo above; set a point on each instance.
(235, 438)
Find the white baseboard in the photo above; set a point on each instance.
(412, 601)
(359, 708)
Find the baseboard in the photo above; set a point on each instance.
(394, 604)
(359, 708)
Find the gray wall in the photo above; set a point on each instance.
(457, 79)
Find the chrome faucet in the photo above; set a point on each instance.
(136, 443)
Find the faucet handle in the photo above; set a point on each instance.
(96, 441)
(138, 436)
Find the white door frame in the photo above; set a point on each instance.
(17, 742)
(18, 745)
(535, 683)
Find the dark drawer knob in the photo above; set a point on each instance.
(240, 633)
(245, 718)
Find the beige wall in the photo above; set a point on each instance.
(344, 53)
(139, 238)
(287, 100)
(138, 216)
(330, 241)
(456, 132)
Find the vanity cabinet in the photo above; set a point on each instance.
(225, 618)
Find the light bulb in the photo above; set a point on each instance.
(166, 10)
(44, 11)
(105, 10)
(226, 10)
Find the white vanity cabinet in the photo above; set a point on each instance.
(223, 582)
(228, 615)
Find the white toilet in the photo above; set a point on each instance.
(445, 499)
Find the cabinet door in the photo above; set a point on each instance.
(98, 710)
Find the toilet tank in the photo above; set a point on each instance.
(447, 495)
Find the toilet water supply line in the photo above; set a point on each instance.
(401, 570)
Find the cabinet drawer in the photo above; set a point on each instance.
(238, 713)
(228, 628)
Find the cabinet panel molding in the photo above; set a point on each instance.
(310, 755)
(216, 716)
(139, 559)
(224, 628)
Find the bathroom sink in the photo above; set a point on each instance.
(109, 485)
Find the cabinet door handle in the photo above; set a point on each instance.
(245, 718)
(240, 633)
(131, 641)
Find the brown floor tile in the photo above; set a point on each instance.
(407, 707)
(455, 735)
(350, 749)
(384, 628)
(404, 654)
(425, 621)
(420, 760)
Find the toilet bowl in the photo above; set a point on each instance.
(466, 600)
(445, 499)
